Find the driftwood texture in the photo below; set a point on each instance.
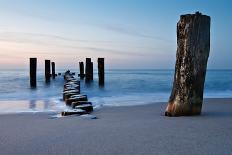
(193, 41)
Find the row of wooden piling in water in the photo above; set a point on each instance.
(88, 75)
(73, 98)
(89, 70)
(48, 74)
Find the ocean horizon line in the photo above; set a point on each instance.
(113, 69)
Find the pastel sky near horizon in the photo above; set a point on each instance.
(130, 34)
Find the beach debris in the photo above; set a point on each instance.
(89, 116)
(73, 112)
(82, 105)
(72, 85)
(193, 46)
(68, 95)
(71, 91)
(86, 107)
(67, 113)
(75, 99)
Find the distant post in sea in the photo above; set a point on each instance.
(81, 67)
(47, 70)
(53, 70)
(33, 68)
(101, 72)
(91, 71)
(88, 66)
(193, 46)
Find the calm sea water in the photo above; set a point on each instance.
(122, 87)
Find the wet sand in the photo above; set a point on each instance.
(121, 130)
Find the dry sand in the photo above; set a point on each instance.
(121, 130)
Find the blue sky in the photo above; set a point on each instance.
(128, 33)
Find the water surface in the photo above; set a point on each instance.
(122, 87)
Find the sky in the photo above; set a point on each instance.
(129, 34)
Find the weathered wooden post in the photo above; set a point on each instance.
(33, 68)
(81, 67)
(53, 70)
(88, 69)
(193, 41)
(91, 70)
(47, 70)
(101, 72)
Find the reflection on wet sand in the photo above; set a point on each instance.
(31, 106)
(47, 105)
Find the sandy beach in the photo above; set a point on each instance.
(121, 130)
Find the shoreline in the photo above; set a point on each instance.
(61, 106)
(121, 130)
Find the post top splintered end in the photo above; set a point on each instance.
(33, 58)
(197, 13)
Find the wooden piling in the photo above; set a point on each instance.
(88, 66)
(47, 70)
(193, 41)
(101, 72)
(73, 98)
(81, 67)
(91, 71)
(53, 70)
(33, 68)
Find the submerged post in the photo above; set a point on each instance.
(33, 68)
(193, 41)
(47, 70)
(101, 71)
(53, 70)
(88, 69)
(81, 67)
